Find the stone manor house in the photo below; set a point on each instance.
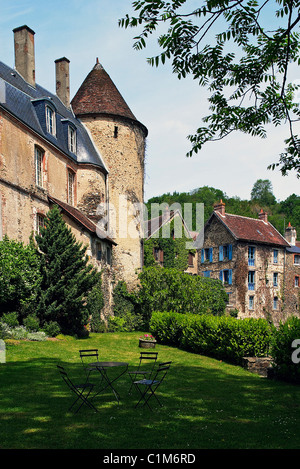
(81, 154)
(260, 269)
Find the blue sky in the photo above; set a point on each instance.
(83, 30)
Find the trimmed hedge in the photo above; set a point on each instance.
(286, 353)
(224, 338)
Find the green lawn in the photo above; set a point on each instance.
(208, 404)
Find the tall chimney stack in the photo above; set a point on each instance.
(263, 216)
(63, 80)
(291, 235)
(220, 208)
(24, 53)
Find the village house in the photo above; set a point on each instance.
(168, 235)
(260, 269)
(81, 155)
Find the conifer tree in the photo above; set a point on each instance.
(67, 278)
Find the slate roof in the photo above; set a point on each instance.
(154, 224)
(27, 103)
(98, 95)
(78, 216)
(251, 229)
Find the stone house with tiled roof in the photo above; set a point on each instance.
(256, 264)
(83, 155)
(171, 224)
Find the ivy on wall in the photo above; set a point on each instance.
(171, 239)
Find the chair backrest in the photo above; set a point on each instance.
(161, 371)
(65, 376)
(87, 355)
(147, 358)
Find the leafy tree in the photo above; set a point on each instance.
(262, 191)
(19, 277)
(173, 290)
(67, 278)
(241, 51)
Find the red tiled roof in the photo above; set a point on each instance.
(76, 215)
(99, 95)
(252, 229)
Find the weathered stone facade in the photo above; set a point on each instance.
(81, 156)
(254, 263)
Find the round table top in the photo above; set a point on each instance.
(107, 364)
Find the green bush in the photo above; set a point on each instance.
(126, 316)
(32, 323)
(11, 319)
(282, 349)
(19, 277)
(224, 338)
(171, 290)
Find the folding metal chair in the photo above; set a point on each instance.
(78, 389)
(151, 385)
(85, 356)
(148, 359)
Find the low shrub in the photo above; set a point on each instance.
(286, 360)
(224, 338)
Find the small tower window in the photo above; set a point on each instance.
(116, 130)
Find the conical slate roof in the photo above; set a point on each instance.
(99, 95)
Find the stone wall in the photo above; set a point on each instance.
(122, 145)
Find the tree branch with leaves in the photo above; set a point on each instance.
(241, 51)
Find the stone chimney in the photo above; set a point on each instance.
(291, 235)
(63, 80)
(24, 53)
(263, 216)
(220, 208)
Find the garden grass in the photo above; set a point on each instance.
(208, 404)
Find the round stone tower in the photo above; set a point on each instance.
(120, 139)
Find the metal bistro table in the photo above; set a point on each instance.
(102, 367)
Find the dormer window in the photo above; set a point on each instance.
(50, 120)
(72, 139)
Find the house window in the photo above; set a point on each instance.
(297, 259)
(206, 273)
(275, 279)
(71, 187)
(275, 302)
(226, 276)
(39, 157)
(98, 252)
(297, 281)
(251, 302)
(40, 222)
(207, 255)
(275, 256)
(108, 255)
(116, 131)
(158, 255)
(251, 280)
(251, 255)
(50, 121)
(191, 259)
(72, 139)
(225, 252)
